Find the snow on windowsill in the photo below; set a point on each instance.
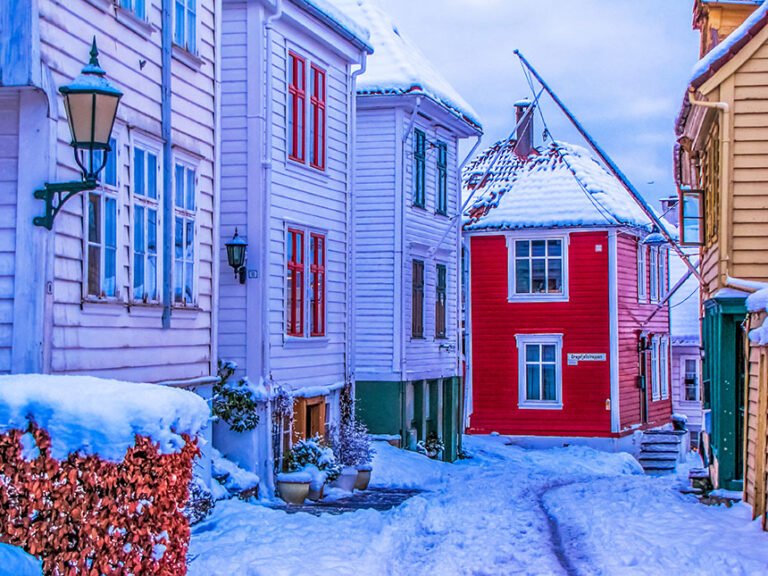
(95, 416)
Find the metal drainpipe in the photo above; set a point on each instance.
(403, 212)
(216, 189)
(351, 183)
(725, 175)
(266, 212)
(165, 114)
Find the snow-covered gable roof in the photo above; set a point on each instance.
(397, 66)
(561, 186)
(716, 58)
(683, 304)
(326, 11)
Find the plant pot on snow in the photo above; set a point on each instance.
(293, 487)
(363, 476)
(346, 480)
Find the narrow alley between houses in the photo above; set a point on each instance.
(506, 510)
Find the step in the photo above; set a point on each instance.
(662, 432)
(661, 437)
(659, 448)
(658, 456)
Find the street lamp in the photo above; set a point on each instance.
(91, 104)
(236, 255)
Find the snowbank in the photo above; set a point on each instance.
(94, 416)
(14, 561)
(758, 302)
(396, 468)
(229, 475)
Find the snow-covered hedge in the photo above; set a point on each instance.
(94, 473)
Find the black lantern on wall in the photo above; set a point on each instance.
(236, 255)
(91, 104)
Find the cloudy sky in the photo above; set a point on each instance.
(621, 66)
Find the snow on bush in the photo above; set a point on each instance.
(18, 563)
(311, 455)
(94, 416)
(235, 480)
(350, 440)
(95, 473)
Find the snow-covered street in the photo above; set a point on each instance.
(504, 511)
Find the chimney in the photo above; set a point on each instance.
(524, 131)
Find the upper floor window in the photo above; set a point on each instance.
(540, 373)
(146, 224)
(185, 24)
(297, 97)
(138, 7)
(654, 274)
(101, 233)
(442, 178)
(538, 269)
(185, 185)
(691, 217)
(317, 118)
(440, 300)
(690, 369)
(642, 272)
(419, 168)
(417, 299)
(301, 242)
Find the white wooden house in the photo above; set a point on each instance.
(408, 372)
(123, 285)
(287, 106)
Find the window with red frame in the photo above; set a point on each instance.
(317, 118)
(297, 96)
(317, 284)
(294, 279)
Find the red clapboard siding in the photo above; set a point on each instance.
(632, 316)
(583, 321)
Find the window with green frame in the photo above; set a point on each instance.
(442, 178)
(419, 168)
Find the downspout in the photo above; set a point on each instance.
(403, 213)
(725, 177)
(613, 305)
(216, 188)
(351, 183)
(467, 405)
(165, 119)
(265, 240)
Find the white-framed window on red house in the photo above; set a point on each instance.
(317, 117)
(297, 108)
(317, 296)
(294, 283)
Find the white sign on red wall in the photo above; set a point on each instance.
(574, 359)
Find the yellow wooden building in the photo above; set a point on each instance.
(722, 172)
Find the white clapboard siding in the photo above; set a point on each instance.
(117, 339)
(375, 211)
(9, 154)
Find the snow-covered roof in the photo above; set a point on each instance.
(397, 66)
(98, 416)
(683, 304)
(338, 20)
(566, 179)
(735, 41)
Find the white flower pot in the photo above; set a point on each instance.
(293, 487)
(346, 480)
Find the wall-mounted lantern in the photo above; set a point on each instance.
(655, 238)
(91, 104)
(236, 256)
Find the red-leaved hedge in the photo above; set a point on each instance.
(87, 516)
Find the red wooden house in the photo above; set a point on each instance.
(569, 326)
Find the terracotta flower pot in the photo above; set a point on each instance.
(363, 477)
(293, 487)
(346, 480)
(316, 491)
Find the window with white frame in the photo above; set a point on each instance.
(690, 371)
(655, 383)
(654, 274)
(305, 293)
(662, 273)
(138, 7)
(538, 269)
(185, 24)
(146, 223)
(642, 272)
(185, 216)
(540, 372)
(101, 229)
(664, 366)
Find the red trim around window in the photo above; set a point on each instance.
(317, 119)
(317, 278)
(297, 96)
(295, 283)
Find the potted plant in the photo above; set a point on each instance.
(311, 457)
(352, 447)
(293, 487)
(433, 446)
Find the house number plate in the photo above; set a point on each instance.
(574, 359)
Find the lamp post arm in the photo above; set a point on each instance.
(56, 195)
